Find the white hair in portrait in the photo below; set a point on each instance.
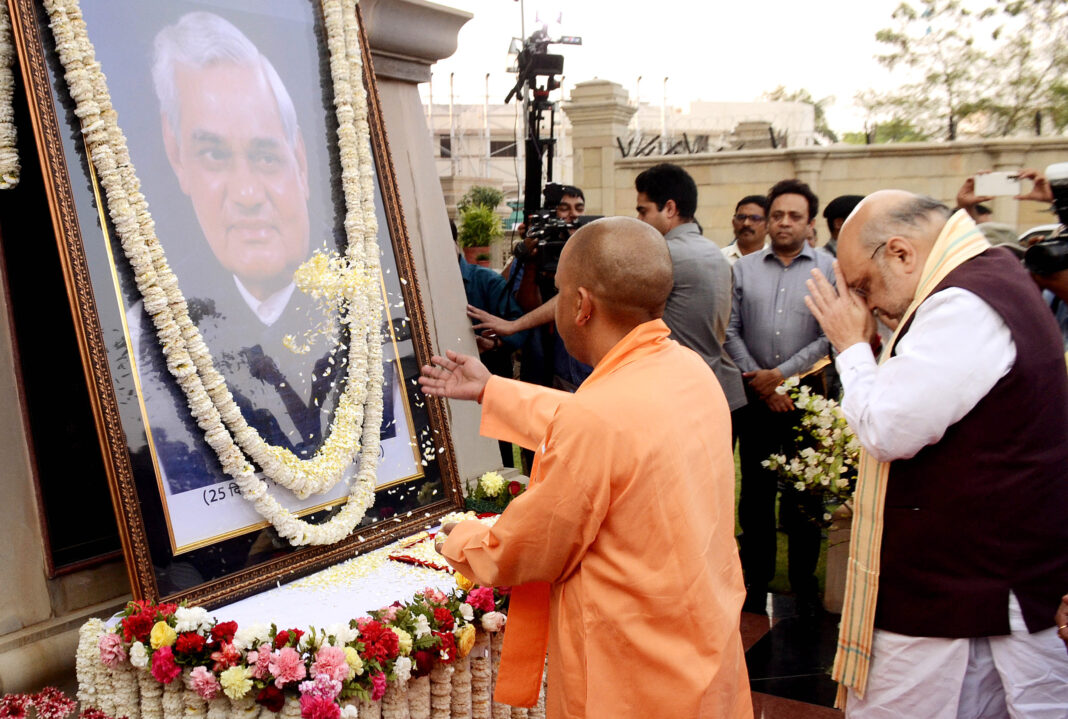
(200, 39)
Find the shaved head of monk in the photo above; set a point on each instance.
(614, 274)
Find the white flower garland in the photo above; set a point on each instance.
(187, 357)
(9, 156)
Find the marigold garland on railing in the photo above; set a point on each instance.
(357, 418)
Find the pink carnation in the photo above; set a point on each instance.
(112, 653)
(317, 707)
(204, 683)
(259, 663)
(378, 686)
(287, 666)
(331, 662)
(434, 596)
(387, 614)
(481, 598)
(321, 686)
(163, 667)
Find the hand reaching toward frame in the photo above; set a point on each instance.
(455, 376)
(497, 325)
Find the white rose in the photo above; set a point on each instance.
(467, 612)
(138, 655)
(493, 621)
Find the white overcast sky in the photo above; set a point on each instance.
(709, 49)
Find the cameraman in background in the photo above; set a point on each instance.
(532, 281)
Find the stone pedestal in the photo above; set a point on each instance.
(837, 559)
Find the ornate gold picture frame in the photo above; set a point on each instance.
(186, 530)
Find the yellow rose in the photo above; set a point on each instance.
(465, 639)
(353, 658)
(404, 641)
(162, 635)
(236, 682)
(463, 582)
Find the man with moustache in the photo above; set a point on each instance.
(771, 336)
(750, 228)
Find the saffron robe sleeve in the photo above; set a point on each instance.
(630, 521)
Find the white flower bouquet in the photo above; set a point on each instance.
(826, 461)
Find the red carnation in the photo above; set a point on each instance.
(287, 636)
(224, 633)
(443, 617)
(137, 627)
(271, 697)
(424, 662)
(379, 642)
(189, 643)
(447, 648)
(514, 488)
(167, 610)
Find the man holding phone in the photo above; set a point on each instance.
(985, 185)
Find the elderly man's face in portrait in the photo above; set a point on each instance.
(247, 181)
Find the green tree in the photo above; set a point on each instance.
(981, 70)
(819, 108)
(895, 129)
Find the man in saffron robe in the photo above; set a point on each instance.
(621, 554)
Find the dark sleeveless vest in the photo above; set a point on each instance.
(985, 510)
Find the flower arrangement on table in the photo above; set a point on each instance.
(826, 462)
(325, 672)
(492, 493)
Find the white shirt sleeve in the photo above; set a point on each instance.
(954, 353)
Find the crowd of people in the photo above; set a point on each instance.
(950, 365)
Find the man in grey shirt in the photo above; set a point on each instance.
(699, 305)
(771, 336)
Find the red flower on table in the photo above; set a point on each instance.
(447, 648)
(424, 662)
(444, 617)
(379, 642)
(514, 488)
(137, 627)
(481, 598)
(189, 643)
(271, 697)
(287, 637)
(224, 632)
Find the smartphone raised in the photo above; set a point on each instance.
(994, 184)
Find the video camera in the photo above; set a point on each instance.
(1050, 255)
(549, 232)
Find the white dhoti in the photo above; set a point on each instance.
(1019, 675)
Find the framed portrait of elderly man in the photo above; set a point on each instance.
(235, 252)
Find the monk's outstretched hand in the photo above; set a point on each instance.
(455, 376)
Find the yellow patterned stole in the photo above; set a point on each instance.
(959, 241)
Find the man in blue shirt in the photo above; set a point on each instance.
(772, 336)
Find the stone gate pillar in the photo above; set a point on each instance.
(599, 111)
